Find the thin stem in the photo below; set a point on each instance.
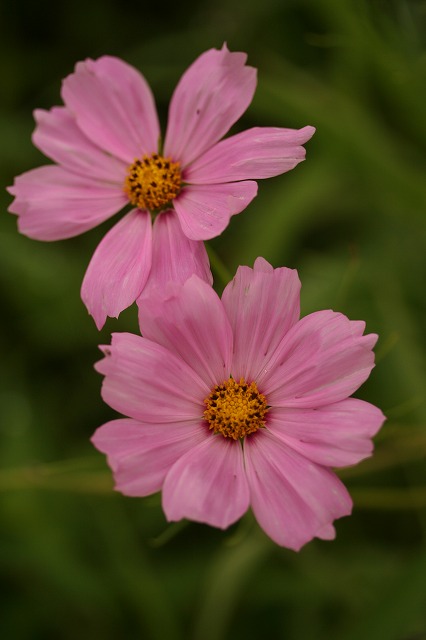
(218, 266)
(55, 477)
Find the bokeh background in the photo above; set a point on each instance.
(79, 560)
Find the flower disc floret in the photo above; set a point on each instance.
(235, 409)
(152, 181)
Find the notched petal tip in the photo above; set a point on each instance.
(105, 348)
(260, 264)
(11, 190)
(308, 131)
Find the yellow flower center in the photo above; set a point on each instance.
(152, 181)
(235, 409)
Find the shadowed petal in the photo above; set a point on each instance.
(190, 321)
(147, 382)
(209, 98)
(292, 499)
(261, 152)
(336, 435)
(324, 358)
(174, 256)
(119, 267)
(262, 304)
(204, 211)
(113, 106)
(208, 484)
(140, 455)
(53, 203)
(58, 137)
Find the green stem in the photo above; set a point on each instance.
(218, 266)
(55, 477)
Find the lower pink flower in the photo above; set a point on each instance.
(236, 403)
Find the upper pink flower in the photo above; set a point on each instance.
(236, 403)
(105, 141)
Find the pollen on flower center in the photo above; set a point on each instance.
(152, 181)
(235, 409)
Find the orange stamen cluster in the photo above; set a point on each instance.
(235, 409)
(152, 181)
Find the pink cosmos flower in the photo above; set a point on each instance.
(236, 403)
(105, 141)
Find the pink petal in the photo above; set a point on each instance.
(174, 257)
(209, 98)
(261, 152)
(204, 211)
(190, 321)
(208, 484)
(262, 304)
(113, 106)
(119, 267)
(336, 435)
(260, 264)
(58, 137)
(323, 359)
(140, 455)
(145, 381)
(326, 533)
(53, 203)
(292, 499)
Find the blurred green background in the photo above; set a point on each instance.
(77, 559)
